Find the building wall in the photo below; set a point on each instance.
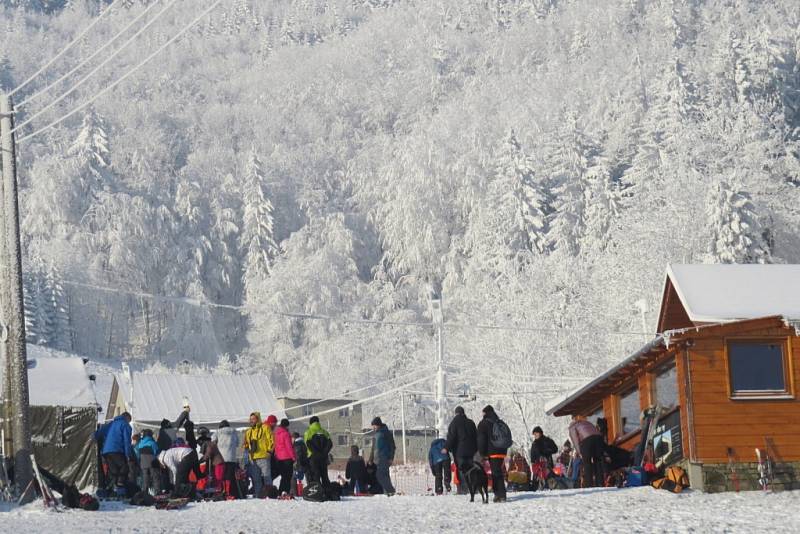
(343, 429)
(718, 422)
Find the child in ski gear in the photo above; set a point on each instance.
(319, 444)
(462, 442)
(259, 443)
(117, 450)
(301, 460)
(489, 447)
(440, 465)
(227, 441)
(356, 473)
(589, 444)
(542, 447)
(166, 435)
(284, 456)
(383, 449)
(147, 451)
(565, 455)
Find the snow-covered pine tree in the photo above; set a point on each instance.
(258, 234)
(736, 233)
(90, 153)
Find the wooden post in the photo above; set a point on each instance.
(13, 306)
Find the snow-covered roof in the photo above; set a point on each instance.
(211, 397)
(730, 292)
(59, 382)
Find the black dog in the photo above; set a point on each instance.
(477, 480)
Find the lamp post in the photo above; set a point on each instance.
(437, 316)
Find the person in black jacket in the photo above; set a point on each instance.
(462, 443)
(542, 447)
(495, 455)
(356, 473)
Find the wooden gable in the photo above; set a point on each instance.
(672, 315)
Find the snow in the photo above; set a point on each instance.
(593, 510)
(212, 397)
(728, 292)
(59, 382)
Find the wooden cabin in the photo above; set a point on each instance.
(724, 367)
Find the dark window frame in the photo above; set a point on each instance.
(786, 351)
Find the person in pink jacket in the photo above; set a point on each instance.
(284, 456)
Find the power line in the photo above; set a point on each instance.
(64, 50)
(126, 75)
(85, 61)
(93, 71)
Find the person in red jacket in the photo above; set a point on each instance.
(284, 456)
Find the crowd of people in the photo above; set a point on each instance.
(229, 465)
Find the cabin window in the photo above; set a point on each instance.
(307, 410)
(595, 415)
(342, 440)
(666, 384)
(629, 411)
(344, 412)
(758, 368)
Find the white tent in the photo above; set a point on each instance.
(212, 397)
(730, 292)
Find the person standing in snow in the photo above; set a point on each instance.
(146, 452)
(185, 421)
(542, 447)
(319, 444)
(284, 456)
(589, 446)
(440, 465)
(301, 461)
(383, 449)
(258, 442)
(356, 473)
(227, 442)
(462, 442)
(494, 452)
(118, 451)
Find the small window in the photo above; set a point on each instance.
(344, 412)
(597, 414)
(629, 411)
(758, 368)
(308, 410)
(666, 384)
(343, 440)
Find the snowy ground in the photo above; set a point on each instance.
(599, 510)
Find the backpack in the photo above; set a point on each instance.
(314, 493)
(501, 435)
(268, 491)
(674, 480)
(320, 445)
(142, 499)
(333, 492)
(89, 503)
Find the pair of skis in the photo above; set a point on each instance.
(50, 500)
(765, 472)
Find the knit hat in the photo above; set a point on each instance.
(537, 429)
(377, 422)
(459, 410)
(224, 424)
(271, 420)
(488, 409)
(285, 423)
(314, 419)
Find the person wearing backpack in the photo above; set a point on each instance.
(542, 447)
(383, 449)
(319, 444)
(440, 466)
(494, 439)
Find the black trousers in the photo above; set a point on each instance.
(283, 469)
(498, 481)
(117, 468)
(189, 463)
(441, 471)
(463, 463)
(592, 464)
(318, 470)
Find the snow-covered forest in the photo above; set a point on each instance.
(539, 161)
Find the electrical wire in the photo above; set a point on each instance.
(362, 401)
(85, 61)
(125, 76)
(92, 72)
(65, 49)
(350, 392)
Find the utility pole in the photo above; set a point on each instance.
(403, 423)
(437, 315)
(12, 305)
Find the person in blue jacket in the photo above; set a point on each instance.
(102, 478)
(440, 465)
(147, 451)
(117, 450)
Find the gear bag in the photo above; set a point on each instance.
(314, 493)
(501, 435)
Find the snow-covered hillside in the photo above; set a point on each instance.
(585, 511)
(539, 161)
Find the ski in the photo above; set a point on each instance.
(762, 471)
(50, 500)
(732, 468)
(768, 462)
